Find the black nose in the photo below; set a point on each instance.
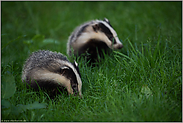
(120, 46)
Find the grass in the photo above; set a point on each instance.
(140, 82)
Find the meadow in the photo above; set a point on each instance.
(140, 82)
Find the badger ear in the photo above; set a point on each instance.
(106, 20)
(76, 64)
(95, 27)
(64, 69)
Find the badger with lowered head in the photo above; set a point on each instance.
(50, 70)
(92, 38)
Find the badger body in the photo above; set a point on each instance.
(92, 38)
(50, 70)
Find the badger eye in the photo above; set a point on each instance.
(74, 87)
(111, 38)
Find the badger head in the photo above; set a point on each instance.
(98, 31)
(106, 33)
(71, 73)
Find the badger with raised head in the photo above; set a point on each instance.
(91, 38)
(50, 70)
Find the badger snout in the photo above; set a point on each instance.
(117, 46)
(78, 94)
(120, 46)
(81, 96)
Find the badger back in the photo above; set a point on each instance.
(92, 34)
(49, 70)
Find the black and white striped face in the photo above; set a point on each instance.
(97, 30)
(105, 27)
(71, 72)
(49, 70)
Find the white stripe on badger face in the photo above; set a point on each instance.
(86, 36)
(47, 75)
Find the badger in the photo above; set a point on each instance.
(51, 71)
(92, 39)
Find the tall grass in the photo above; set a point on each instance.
(141, 82)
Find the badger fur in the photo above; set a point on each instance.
(50, 70)
(91, 38)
